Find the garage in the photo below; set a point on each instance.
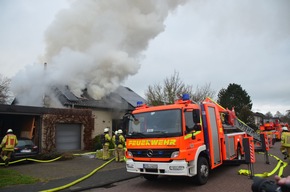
(68, 137)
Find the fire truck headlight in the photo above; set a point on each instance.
(130, 154)
(176, 167)
(175, 154)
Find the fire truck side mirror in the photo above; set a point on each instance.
(196, 116)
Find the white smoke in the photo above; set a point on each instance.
(95, 44)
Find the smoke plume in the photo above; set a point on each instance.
(93, 45)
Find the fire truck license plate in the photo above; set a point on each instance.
(150, 166)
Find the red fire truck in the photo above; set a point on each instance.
(273, 127)
(184, 139)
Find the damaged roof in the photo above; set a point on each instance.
(122, 98)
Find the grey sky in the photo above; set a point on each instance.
(219, 42)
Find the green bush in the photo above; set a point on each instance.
(48, 156)
(67, 156)
(53, 155)
(97, 143)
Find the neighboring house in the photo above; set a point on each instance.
(258, 118)
(72, 127)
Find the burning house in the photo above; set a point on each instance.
(91, 49)
(71, 127)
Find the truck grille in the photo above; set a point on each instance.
(152, 153)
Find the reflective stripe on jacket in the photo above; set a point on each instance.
(107, 139)
(285, 139)
(9, 142)
(121, 141)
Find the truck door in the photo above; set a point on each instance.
(212, 129)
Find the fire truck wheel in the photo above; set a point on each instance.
(202, 171)
(150, 177)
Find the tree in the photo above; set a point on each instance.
(247, 116)
(172, 88)
(235, 96)
(269, 114)
(4, 89)
(278, 114)
(164, 94)
(201, 93)
(287, 114)
(286, 117)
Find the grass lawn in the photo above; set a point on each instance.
(12, 177)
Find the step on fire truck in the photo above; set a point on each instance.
(186, 139)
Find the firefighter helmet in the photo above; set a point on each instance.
(120, 131)
(106, 130)
(285, 129)
(9, 131)
(116, 132)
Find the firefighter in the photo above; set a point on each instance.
(7, 145)
(223, 118)
(120, 144)
(106, 143)
(114, 142)
(285, 143)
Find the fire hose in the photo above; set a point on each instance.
(80, 179)
(280, 166)
(55, 159)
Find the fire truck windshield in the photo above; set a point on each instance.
(165, 123)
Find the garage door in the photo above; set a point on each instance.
(68, 137)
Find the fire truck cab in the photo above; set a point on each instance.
(181, 139)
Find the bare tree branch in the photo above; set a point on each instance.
(173, 87)
(203, 92)
(4, 89)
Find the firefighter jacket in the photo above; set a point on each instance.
(9, 142)
(120, 141)
(114, 140)
(285, 139)
(107, 139)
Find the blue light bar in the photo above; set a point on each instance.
(139, 103)
(185, 97)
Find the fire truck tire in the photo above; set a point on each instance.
(150, 177)
(202, 171)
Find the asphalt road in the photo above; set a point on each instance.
(113, 177)
(224, 178)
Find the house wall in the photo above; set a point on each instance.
(67, 120)
(103, 119)
(52, 135)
